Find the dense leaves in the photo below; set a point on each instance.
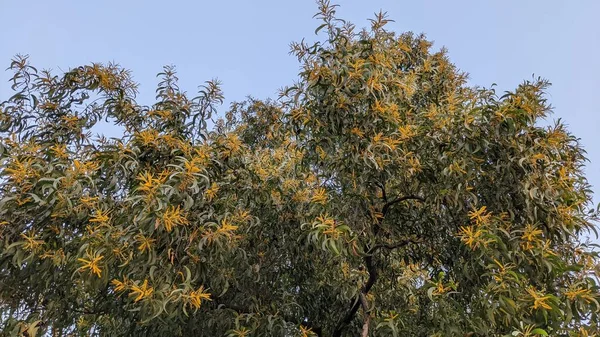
(380, 195)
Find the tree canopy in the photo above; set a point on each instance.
(379, 195)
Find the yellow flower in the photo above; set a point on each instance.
(120, 286)
(320, 196)
(470, 236)
(57, 257)
(148, 137)
(328, 225)
(378, 107)
(242, 216)
(91, 263)
(289, 184)
(357, 132)
(301, 195)
(31, 241)
(242, 332)
(226, 228)
(538, 300)
(60, 151)
(100, 216)
(456, 167)
(149, 184)
(84, 168)
(173, 217)
(306, 332)
(531, 234)
(578, 292)
(196, 297)
(142, 291)
(71, 120)
(583, 332)
(192, 166)
(537, 156)
(377, 138)
(211, 192)
(20, 171)
(480, 216)
(406, 131)
(440, 288)
(547, 250)
(232, 143)
(163, 114)
(145, 243)
(89, 201)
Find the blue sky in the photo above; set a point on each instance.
(245, 44)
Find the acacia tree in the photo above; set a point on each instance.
(380, 195)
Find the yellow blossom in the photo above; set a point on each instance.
(142, 291)
(539, 301)
(470, 236)
(149, 184)
(70, 120)
(440, 288)
(89, 201)
(357, 132)
(60, 151)
(196, 297)
(377, 138)
(172, 217)
(232, 143)
(19, 171)
(302, 195)
(91, 262)
(242, 215)
(32, 243)
(306, 332)
(242, 332)
(211, 192)
(289, 184)
(145, 243)
(575, 293)
(320, 196)
(531, 236)
(226, 227)
(100, 216)
(163, 114)
(86, 167)
(147, 137)
(406, 131)
(328, 225)
(120, 286)
(192, 166)
(480, 216)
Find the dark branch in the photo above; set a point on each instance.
(371, 268)
(356, 302)
(389, 204)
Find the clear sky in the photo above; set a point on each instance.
(245, 44)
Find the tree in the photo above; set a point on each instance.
(379, 195)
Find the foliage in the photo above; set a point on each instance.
(379, 195)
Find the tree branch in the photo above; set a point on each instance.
(365, 306)
(355, 303)
(391, 203)
(371, 268)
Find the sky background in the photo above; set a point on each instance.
(246, 44)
